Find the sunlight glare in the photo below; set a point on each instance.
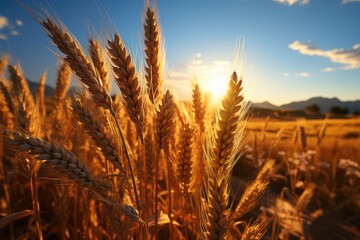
(217, 87)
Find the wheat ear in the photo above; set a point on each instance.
(56, 156)
(303, 137)
(3, 63)
(222, 160)
(20, 86)
(6, 116)
(26, 105)
(97, 56)
(257, 229)
(254, 191)
(127, 81)
(98, 133)
(6, 91)
(164, 122)
(184, 163)
(198, 107)
(152, 48)
(62, 83)
(78, 62)
(229, 117)
(40, 94)
(217, 226)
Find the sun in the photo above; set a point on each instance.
(216, 86)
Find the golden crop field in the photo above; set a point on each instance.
(83, 164)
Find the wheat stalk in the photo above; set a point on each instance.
(164, 122)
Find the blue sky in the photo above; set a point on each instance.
(294, 49)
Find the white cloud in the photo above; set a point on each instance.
(19, 22)
(3, 22)
(198, 55)
(3, 37)
(302, 74)
(285, 74)
(14, 32)
(348, 57)
(292, 2)
(349, 1)
(329, 69)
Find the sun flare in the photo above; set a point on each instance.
(215, 84)
(216, 87)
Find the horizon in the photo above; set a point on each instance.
(293, 101)
(294, 49)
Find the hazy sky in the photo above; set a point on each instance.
(294, 49)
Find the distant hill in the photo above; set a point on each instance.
(324, 103)
(265, 105)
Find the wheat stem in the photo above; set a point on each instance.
(127, 157)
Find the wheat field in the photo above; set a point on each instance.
(141, 164)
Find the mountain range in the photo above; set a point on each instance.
(325, 104)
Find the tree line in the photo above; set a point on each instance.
(335, 110)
